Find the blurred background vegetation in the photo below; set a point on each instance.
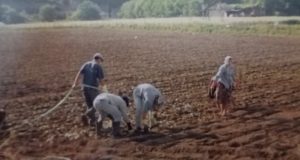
(21, 11)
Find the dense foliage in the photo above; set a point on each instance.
(18, 11)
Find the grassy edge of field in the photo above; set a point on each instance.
(245, 26)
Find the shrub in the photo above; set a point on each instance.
(48, 13)
(291, 22)
(11, 16)
(87, 10)
(159, 8)
(2, 11)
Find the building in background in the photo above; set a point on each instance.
(226, 10)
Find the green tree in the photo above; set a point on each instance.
(110, 5)
(127, 10)
(48, 13)
(87, 10)
(159, 8)
(11, 16)
(282, 7)
(3, 10)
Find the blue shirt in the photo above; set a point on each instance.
(92, 73)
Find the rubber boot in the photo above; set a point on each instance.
(146, 129)
(137, 131)
(91, 115)
(99, 125)
(85, 120)
(2, 119)
(116, 130)
(2, 115)
(129, 127)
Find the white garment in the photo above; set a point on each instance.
(144, 96)
(225, 75)
(110, 104)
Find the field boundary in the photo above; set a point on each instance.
(231, 25)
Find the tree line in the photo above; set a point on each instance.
(20, 11)
(171, 8)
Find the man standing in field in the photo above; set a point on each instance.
(147, 99)
(92, 76)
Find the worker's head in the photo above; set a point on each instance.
(228, 60)
(124, 96)
(98, 57)
(158, 102)
(126, 99)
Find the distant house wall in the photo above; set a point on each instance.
(234, 13)
(224, 10)
(254, 11)
(217, 13)
(257, 11)
(218, 10)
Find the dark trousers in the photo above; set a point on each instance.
(90, 94)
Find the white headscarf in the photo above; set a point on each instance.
(227, 59)
(161, 100)
(98, 55)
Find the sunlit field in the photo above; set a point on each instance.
(235, 25)
(39, 61)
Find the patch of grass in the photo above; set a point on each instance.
(246, 26)
(291, 22)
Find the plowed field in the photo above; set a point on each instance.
(38, 67)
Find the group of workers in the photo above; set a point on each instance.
(99, 102)
(147, 98)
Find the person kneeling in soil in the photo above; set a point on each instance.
(147, 99)
(223, 84)
(116, 108)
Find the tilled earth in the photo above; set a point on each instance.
(39, 65)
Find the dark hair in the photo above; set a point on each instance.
(126, 99)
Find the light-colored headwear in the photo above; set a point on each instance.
(160, 100)
(98, 55)
(227, 59)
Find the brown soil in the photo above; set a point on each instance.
(38, 67)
